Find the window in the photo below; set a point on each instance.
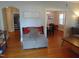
(61, 19)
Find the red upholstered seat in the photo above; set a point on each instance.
(26, 30)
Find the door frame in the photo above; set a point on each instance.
(13, 19)
(53, 9)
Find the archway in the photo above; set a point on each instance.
(11, 18)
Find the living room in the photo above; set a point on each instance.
(33, 14)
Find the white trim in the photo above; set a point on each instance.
(45, 24)
(53, 9)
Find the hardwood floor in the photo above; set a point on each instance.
(14, 49)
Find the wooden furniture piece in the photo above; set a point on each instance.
(73, 44)
(3, 43)
(72, 40)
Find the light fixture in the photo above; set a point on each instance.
(48, 12)
(7, 7)
(76, 12)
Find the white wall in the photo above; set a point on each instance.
(70, 20)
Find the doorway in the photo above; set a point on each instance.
(11, 17)
(16, 21)
(11, 21)
(55, 21)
